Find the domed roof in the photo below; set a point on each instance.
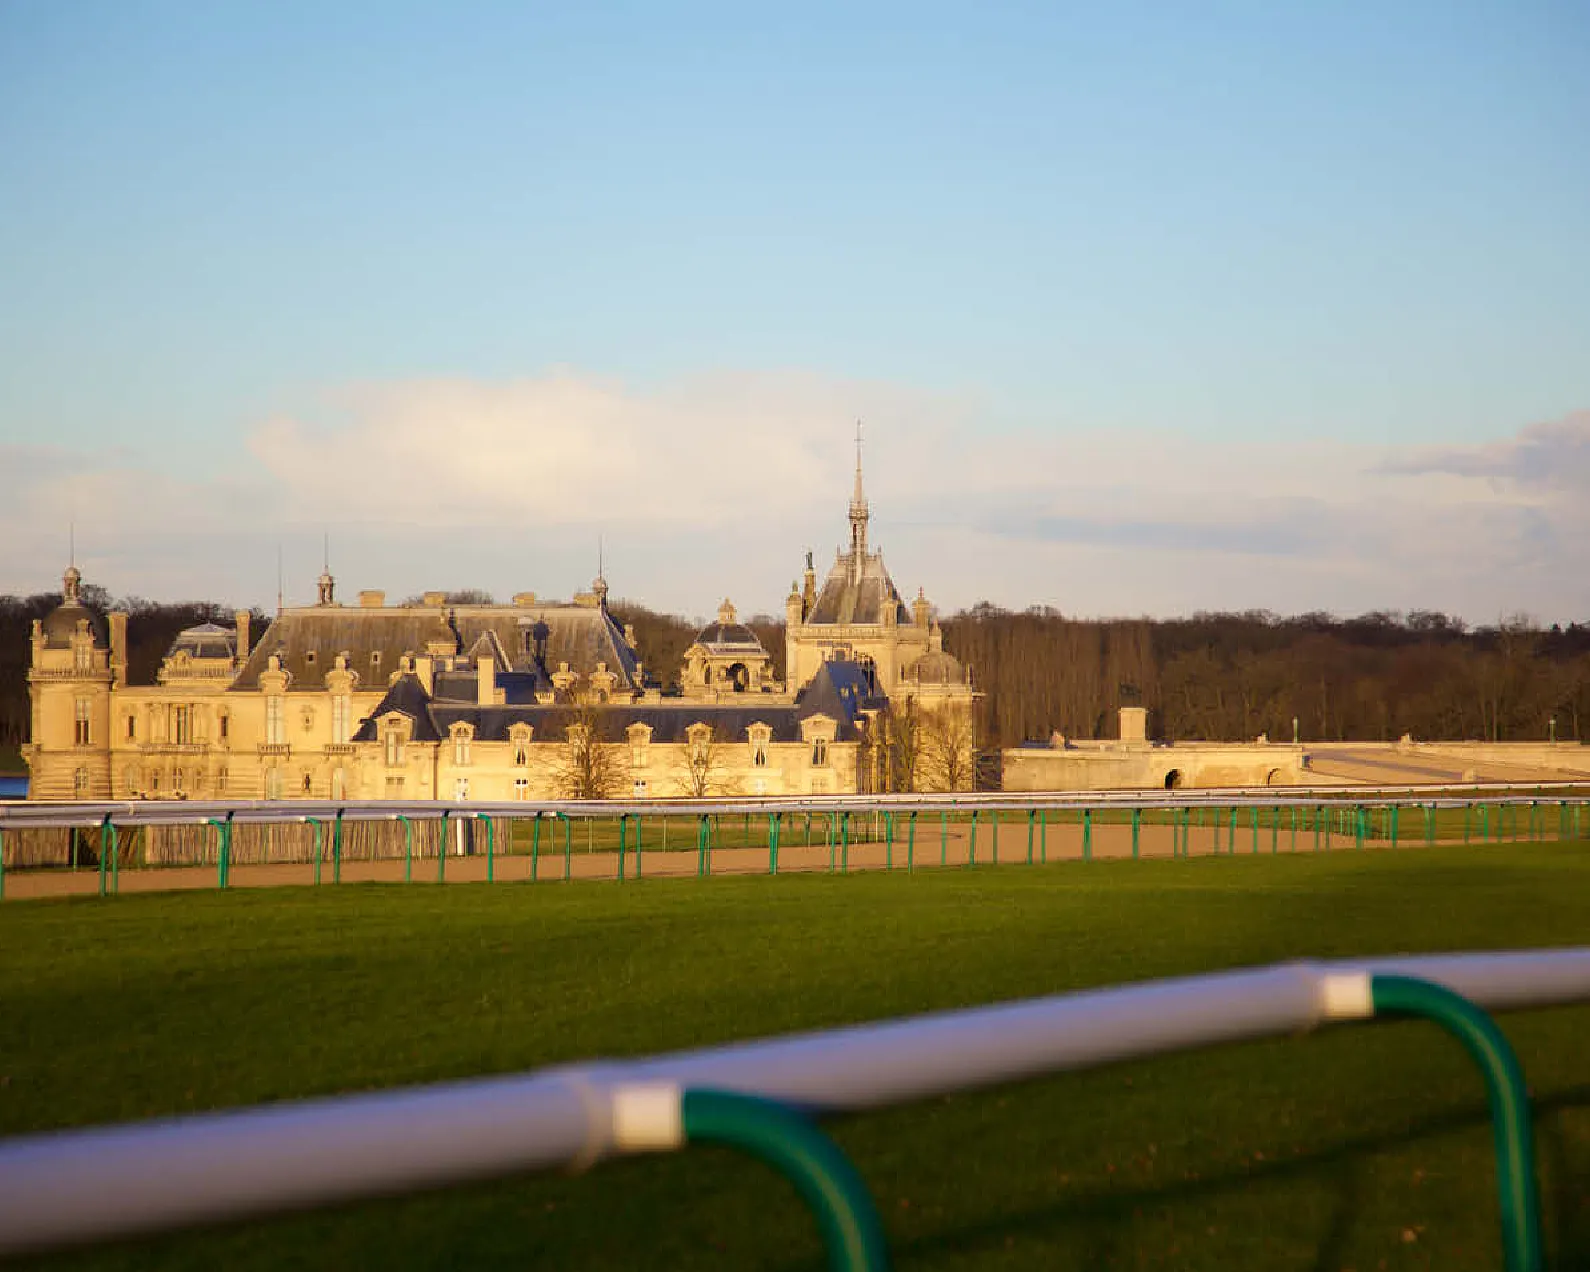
(937, 667)
(60, 624)
(728, 631)
(207, 640)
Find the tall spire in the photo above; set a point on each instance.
(599, 584)
(859, 516)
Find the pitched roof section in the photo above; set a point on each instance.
(531, 640)
(845, 599)
(408, 697)
(840, 689)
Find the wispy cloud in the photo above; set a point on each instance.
(716, 485)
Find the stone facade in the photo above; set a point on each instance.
(525, 701)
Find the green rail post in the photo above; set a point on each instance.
(314, 826)
(1087, 834)
(441, 851)
(104, 842)
(888, 840)
(491, 846)
(910, 845)
(535, 847)
(844, 840)
(848, 1220)
(1253, 817)
(1231, 834)
(1137, 830)
(944, 837)
(1509, 1100)
(568, 846)
(971, 844)
(1360, 823)
(1396, 819)
(408, 848)
(1429, 825)
(621, 829)
(704, 846)
(336, 847)
(772, 843)
(1466, 809)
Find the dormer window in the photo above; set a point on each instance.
(760, 736)
(462, 734)
(375, 658)
(309, 657)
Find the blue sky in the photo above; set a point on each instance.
(1051, 239)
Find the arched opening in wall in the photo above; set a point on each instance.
(739, 677)
(1273, 777)
(1173, 780)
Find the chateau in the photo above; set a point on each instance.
(532, 700)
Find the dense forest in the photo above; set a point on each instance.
(1214, 676)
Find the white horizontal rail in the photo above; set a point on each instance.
(90, 1185)
(46, 814)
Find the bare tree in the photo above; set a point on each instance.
(946, 748)
(702, 766)
(587, 764)
(902, 758)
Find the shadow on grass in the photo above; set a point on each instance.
(1565, 1179)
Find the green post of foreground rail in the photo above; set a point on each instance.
(971, 843)
(772, 843)
(1137, 830)
(1509, 1101)
(1253, 816)
(824, 1177)
(1395, 820)
(702, 832)
(441, 851)
(408, 848)
(622, 826)
(535, 846)
(104, 840)
(844, 842)
(888, 840)
(1087, 834)
(314, 826)
(910, 845)
(336, 846)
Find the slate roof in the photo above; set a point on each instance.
(377, 639)
(60, 625)
(408, 696)
(845, 600)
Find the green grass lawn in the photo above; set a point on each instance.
(1361, 1147)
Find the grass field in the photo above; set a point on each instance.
(1363, 1147)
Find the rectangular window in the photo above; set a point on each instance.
(179, 782)
(394, 749)
(273, 783)
(521, 755)
(220, 781)
(339, 719)
(80, 723)
(461, 749)
(184, 725)
(640, 788)
(226, 723)
(132, 728)
(274, 735)
(80, 783)
(339, 785)
(461, 788)
(819, 753)
(394, 788)
(521, 789)
(81, 657)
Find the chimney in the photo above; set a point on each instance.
(435, 600)
(1134, 725)
(485, 680)
(118, 647)
(372, 600)
(425, 669)
(241, 618)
